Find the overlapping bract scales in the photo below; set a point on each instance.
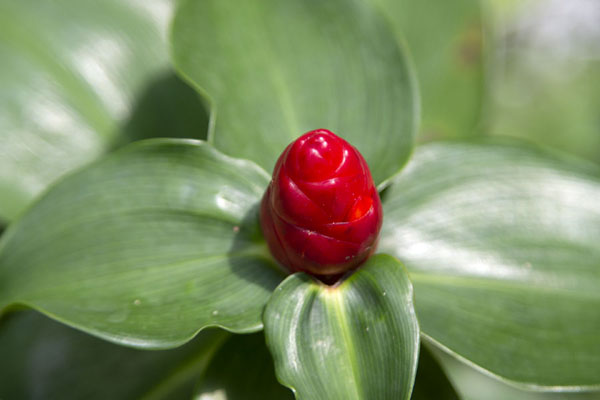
(321, 213)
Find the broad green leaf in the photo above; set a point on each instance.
(358, 340)
(431, 382)
(475, 385)
(446, 43)
(74, 75)
(146, 246)
(42, 359)
(275, 69)
(546, 86)
(242, 370)
(502, 246)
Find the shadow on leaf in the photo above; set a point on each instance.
(250, 244)
(167, 108)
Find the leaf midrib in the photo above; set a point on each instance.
(278, 78)
(131, 212)
(256, 251)
(339, 309)
(479, 283)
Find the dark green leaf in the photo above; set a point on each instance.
(42, 359)
(431, 382)
(168, 107)
(502, 246)
(242, 370)
(359, 340)
(146, 247)
(274, 69)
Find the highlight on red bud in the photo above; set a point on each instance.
(321, 213)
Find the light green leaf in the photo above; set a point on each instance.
(42, 359)
(431, 382)
(359, 340)
(502, 246)
(475, 385)
(76, 74)
(146, 247)
(276, 69)
(446, 43)
(242, 370)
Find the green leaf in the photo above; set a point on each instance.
(475, 385)
(359, 340)
(275, 69)
(75, 74)
(446, 43)
(47, 360)
(242, 370)
(501, 243)
(431, 382)
(146, 247)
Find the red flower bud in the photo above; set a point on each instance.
(321, 212)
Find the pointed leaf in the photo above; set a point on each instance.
(146, 247)
(75, 73)
(359, 340)
(242, 370)
(276, 69)
(43, 359)
(502, 246)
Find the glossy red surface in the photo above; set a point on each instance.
(321, 212)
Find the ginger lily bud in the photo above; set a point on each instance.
(321, 213)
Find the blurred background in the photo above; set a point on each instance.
(82, 78)
(545, 74)
(527, 69)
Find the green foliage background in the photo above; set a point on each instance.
(494, 223)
